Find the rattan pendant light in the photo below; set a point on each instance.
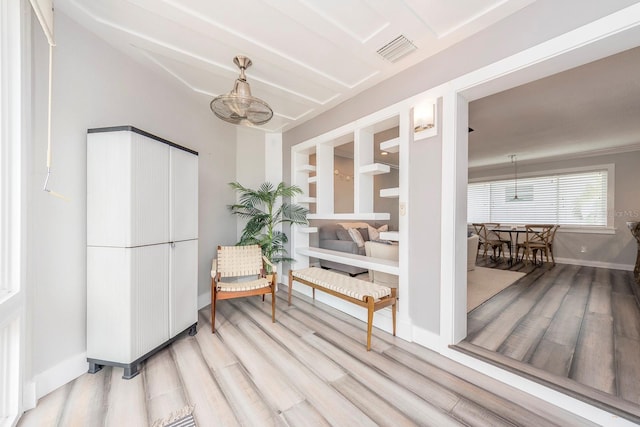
(239, 106)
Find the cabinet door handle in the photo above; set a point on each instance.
(173, 244)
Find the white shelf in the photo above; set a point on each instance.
(374, 169)
(306, 168)
(390, 146)
(390, 235)
(312, 179)
(428, 133)
(306, 200)
(353, 216)
(370, 263)
(390, 192)
(308, 230)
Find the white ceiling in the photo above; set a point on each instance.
(308, 55)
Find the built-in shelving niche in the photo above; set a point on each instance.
(355, 161)
(371, 149)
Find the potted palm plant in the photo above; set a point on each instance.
(264, 209)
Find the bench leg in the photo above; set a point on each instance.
(394, 309)
(370, 307)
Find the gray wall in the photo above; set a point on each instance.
(94, 86)
(250, 166)
(343, 188)
(386, 204)
(619, 248)
(425, 191)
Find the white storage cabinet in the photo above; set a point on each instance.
(142, 245)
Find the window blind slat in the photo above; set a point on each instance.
(577, 199)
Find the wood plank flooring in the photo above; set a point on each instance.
(573, 322)
(310, 368)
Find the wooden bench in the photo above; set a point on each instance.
(365, 294)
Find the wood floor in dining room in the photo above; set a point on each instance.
(577, 327)
(310, 368)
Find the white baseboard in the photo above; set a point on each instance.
(599, 264)
(29, 399)
(427, 339)
(57, 376)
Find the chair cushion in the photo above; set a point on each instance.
(535, 244)
(243, 286)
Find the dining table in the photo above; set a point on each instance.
(513, 232)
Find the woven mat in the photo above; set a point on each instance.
(483, 283)
(180, 418)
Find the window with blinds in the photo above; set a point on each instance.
(573, 199)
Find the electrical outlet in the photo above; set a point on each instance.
(403, 209)
(583, 249)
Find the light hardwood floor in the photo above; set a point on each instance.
(568, 324)
(310, 368)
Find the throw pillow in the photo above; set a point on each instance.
(365, 233)
(374, 233)
(343, 234)
(348, 225)
(356, 236)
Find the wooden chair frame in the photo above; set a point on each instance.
(487, 241)
(217, 275)
(538, 237)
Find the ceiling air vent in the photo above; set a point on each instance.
(396, 49)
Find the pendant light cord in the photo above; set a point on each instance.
(516, 168)
(514, 160)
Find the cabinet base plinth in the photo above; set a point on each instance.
(193, 330)
(131, 369)
(94, 367)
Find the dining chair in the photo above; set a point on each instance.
(538, 238)
(493, 235)
(245, 265)
(489, 239)
(553, 238)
